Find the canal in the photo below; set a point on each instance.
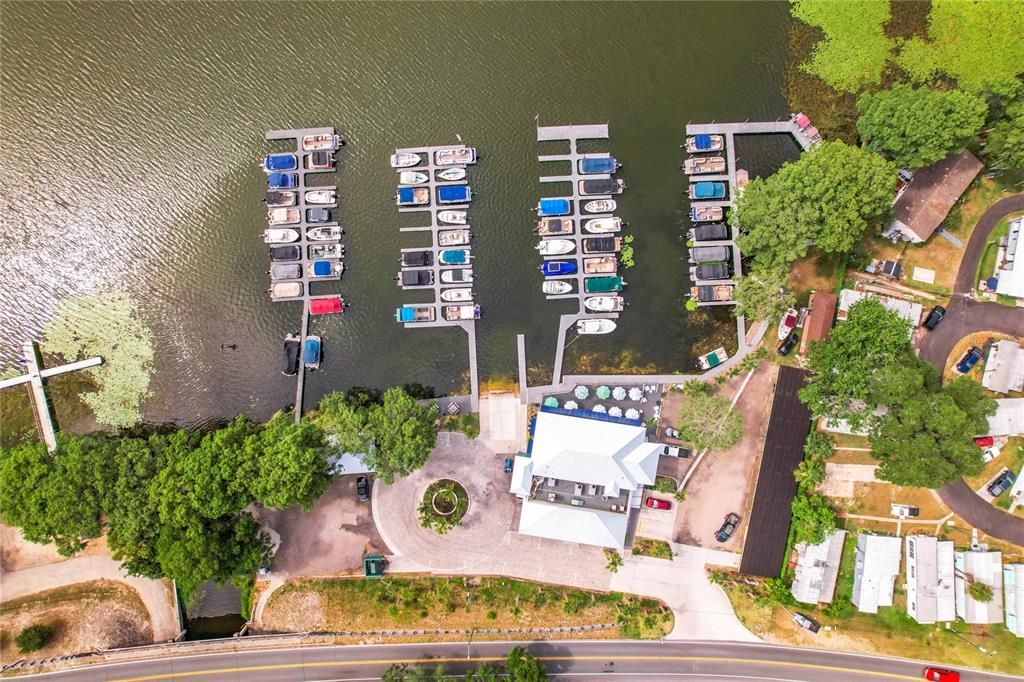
(132, 134)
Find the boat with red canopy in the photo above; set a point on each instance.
(326, 305)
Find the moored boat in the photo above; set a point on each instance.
(603, 285)
(283, 216)
(556, 247)
(319, 161)
(405, 160)
(454, 257)
(787, 323)
(319, 143)
(416, 259)
(699, 144)
(600, 206)
(286, 289)
(548, 227)
(334, 250)
(282, 271)
(454, 194)
(599, 225)
(276, 199)
(326, 305)
(452, 174)
(457, 276)
(554, 207)
(290, 355)
(709, 233)
(711, 293)
(706, 272)
(710, 254)
(458, 237)
(285, 253)
(312, 350)
(462, 312)
(452, 217)
(598, 165)
(600, 265)
(415, 278)
(597, 187)
(321, 197)
(713, 359)
(414, 313)
(459, 295)
(413, 178)
(325, 233)
(706, 214)
(318, 214)
(595, 326)
(412, 196)
(282, 180)
(557, 268)
(604, 304)
(280, 162)
(704, 164)
(455, 156)
(325, 268)
(706, 190)
(279, 235)
(602, 244)
(554, 287)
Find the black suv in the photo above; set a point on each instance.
(934, 317)
(728, 527)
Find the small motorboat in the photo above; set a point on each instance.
(319, 143)
(713, 359)
(325, 268)
(598, 326)
(279, 235)
(554, 287)
(318, 214)
(286, 289)
(405, 160)
(452, 217)
(706, 214)
(324, 233)
(600, 206)
(319, 161)
(706, 190)
(600, 265)
(457, 276)
(458, 237)
(600, 225)
(454, 194)
(321, 197)
(548, 227)
(455, 156)
(274, 163)
(413, 178)
(283, 216)
(290, 356)
(282, 180)
(412, 196)
(597, 187)
(462, 312)
(317, 251)
(699, 144)
(326, 305)
(285, 253)
(787, 323)
(312, 351)
(460, 295)
(604, 304)
(603, 285)
(558, 268)
(452, 174)
(553, 207)
(698, 165)
(556, 247)
(282, 271)
(414, 313)
(453, 257)
(276, 198)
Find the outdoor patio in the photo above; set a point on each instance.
(639, 401)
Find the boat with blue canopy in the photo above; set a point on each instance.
(454, 257)
(412, 196)
(707, 190)
(704, 143)
(282, 180)
(454, 194)
(557, 268)
(602, 164)
(311, 352)
(552, 207)
(325, 268)
(280, 162)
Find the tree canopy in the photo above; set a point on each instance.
(916, 127)
(707, 422)
(1006, 139)
(813, 518)
(763, 293)
(524, 667)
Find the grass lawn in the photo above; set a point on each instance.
(852, 457)
(875, 499)
(659, 549)
(432, 603)
(816, 272)
(847, 440)
(987, 262)
(978, 339)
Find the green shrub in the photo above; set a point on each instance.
(33, 638)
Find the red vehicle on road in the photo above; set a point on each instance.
(941, 675)
(658, 504)
(984, 441)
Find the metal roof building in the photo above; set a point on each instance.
(1004, 368)
(817, 568)
(981, 567)
(1013, 593)
(929, 575)
(874, 578)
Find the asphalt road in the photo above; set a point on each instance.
(585, 660)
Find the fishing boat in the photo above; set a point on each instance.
(787, 323)
(414, 313)
(554, 287)
(282, 180)
(454, 194)
(405, 160)
(283, 216)
(416, 259)
(290, 356)
(457, 276)
(713, 359)
(412, 196)
(324, 233)
(455, 156)
(326, 305)
(556, 247)
(711, 293)
(558, 268)
(325, 268)
(706, 214)
(321, 197)
(698, 165)
(285, 253)
(457, 295)
(710, 254)
(596, 187)
(282, 271)
(604, 304)
(599, 225)
(319, 161)
(553, 207)
(454, 257)
(326, 251)
(595, 326)
(452, 217)
(549, 227)
(286, 289)
(602, 244)
(413, 178)
(462, 312)
(600, 265)
(279, 235)
(600, 206)
(318, 214)
(318, 143)
(706, 190)
(458, 237)
(276, 198)
(709, 233)
(699, 144)
(312, 351)
(280, 162)
(603, 285)
(452, 174)
(599, 165)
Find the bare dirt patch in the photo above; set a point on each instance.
(17, 553)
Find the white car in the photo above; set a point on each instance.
(669, 451)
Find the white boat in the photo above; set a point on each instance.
(320, 251)
(549, 227)
(600, 206)
(460, 295)
(594, 326)
(600, 225)
(458, 237)
(405, 160)
(452, 217)
(286, 289)
(279, 235)
(323, 234)
(455, 156)
(324, 268)
(700, 144)
(457, 276)
(452, 174)
(321, 197)
(553, 287)
(556, 247)
(283, 216)
(461, 312)
(787, 323)
(604, 304)
(413, 178)
(698, 165)
(319, 143)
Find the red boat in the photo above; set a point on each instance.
(326, 305)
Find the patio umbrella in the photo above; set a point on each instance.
(632, 413)
(603, 392)
(599, 408)
(614, 411)
(619, 393)
(571, 405)
(635, 393)
(551, 401)
(581, 392)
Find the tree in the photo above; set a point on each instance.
(403, 435)
(291, 463)
(810, 473)
(343, 419)
(831, 195)
(708, 422)
(524, 667)
(1006, 140)
(977, 43)
(613, 560)
(33, 638)
(980, 592)
(855, 49)
(813, 518)
(132, 522)
(406, 673)
(818, 446)
(482, 673)
(764, 293)
(695, 387)
(916, 127)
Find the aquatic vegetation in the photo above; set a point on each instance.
(855, 49)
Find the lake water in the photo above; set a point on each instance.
(132, 134)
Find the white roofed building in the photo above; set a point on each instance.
(874, 577)
(583, 475)
(979, 567)
(1008, 419)
(1013, 593)
(908, 310)
(817, 568)
(1011, 275)
(1004, 368)
(929, 574)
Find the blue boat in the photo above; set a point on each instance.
(550, 207)
(454, 257)
(605, 164)
(282, 180)
(311, 352)
(555, 268)
(707, 190)
(280, 162)
(412, 196)
(454, 194)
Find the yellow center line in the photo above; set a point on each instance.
(495, 659)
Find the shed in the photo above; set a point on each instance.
(927, 199)
(819, 321)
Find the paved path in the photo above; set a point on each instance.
(976, 244)
(951, 238)
(154, 593)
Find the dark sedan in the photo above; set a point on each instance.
(728, 527)
(363, 488)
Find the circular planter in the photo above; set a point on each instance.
(444, 502)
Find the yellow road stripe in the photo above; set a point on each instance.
(413, 661)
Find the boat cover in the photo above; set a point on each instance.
(325, 306)
(321, 268)
(453, 256)
(599, 244)
(599, 165)
(711, 271)
(405, 195)
(282, 180)
(406, 314)
(600, 187)
(708, 233)
(803, 121)
(558, 267)
(450, 194)
(414, 258)
(280, 162)
(285, 271)
(708, 190)
(285, 253)
(317, 215)
(550, 207)
(290, 357)
(709, 254)
(702, 141)
(311, 351)
(412, 278)
(594, 285)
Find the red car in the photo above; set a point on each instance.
(984, 441)
(658, 504)
(941, 675)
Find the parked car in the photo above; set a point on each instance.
(669, 451)
(934, 317)
(728, 527)
(788, 343)
(654, 503)
(508, 465)
(806, 622)
(672, 433)
(984, 441)
(941, 675)
(1003, 483)
(363, 488)
(969, 360)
